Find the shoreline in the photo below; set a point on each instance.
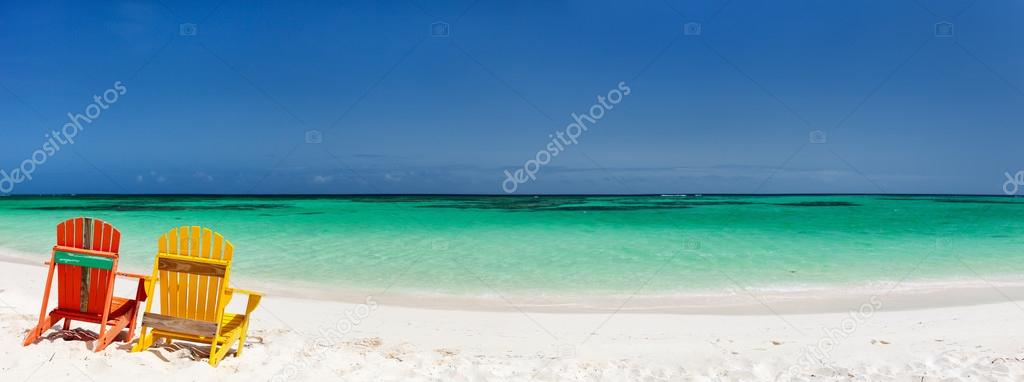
(735, 300)
(912, 295)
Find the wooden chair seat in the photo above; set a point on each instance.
(119, 307)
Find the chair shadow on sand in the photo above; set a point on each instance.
(195, 352)
(76, 334)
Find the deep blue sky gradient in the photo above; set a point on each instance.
(728, 111)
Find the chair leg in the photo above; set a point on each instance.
(131, 333)
(222, 350)
(145, 341)
(214, 360)
(67, 324)
(45, 319)
(241, 339)
(44, 323)
(131, 324)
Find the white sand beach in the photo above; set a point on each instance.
(304, 339)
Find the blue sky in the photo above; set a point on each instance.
(730, 110)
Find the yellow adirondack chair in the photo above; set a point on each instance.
(193, 267)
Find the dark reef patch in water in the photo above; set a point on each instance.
(547, 204)
(155, 208)
(423, 199)
(819, 204)
(503, 207)
(690, 203)
(613, 208)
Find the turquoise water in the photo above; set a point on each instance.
(486, 245)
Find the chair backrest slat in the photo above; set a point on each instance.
(182, 297)
(203, 293)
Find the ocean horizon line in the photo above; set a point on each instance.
(502, 195)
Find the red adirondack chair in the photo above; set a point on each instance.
(85, 259)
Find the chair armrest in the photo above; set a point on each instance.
(132, 275)
(145, 288)
(254, 298)
(246, 291)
